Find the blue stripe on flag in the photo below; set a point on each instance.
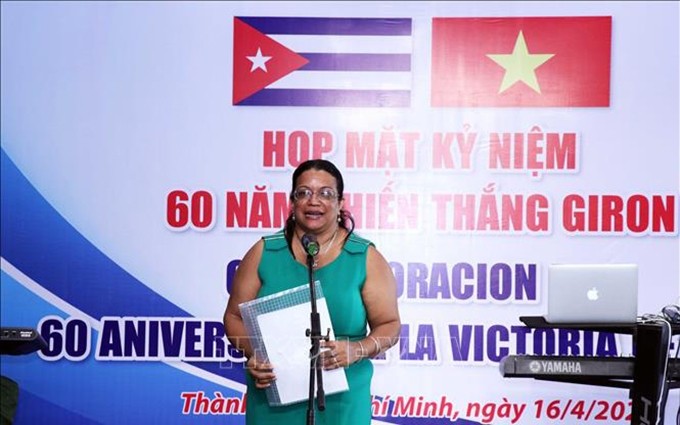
(329, 26)
(356, 62)
(302, 97)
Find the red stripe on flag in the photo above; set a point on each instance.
(577, 73)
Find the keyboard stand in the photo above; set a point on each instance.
(650, 364)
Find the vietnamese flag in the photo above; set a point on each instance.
(510, 62)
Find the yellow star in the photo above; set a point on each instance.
(520, 65)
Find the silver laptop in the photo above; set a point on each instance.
(592, 293)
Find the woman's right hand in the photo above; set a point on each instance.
(262, 372)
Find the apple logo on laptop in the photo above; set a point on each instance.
(592, 294)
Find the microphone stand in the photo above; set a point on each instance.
(315, 368)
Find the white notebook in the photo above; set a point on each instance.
(278, 323)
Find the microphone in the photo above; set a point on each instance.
(310, 244)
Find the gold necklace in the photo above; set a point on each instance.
(330, 243)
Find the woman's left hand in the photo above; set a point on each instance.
(337, 354)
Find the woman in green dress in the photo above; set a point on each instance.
(357, 283)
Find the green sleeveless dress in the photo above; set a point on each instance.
(341, 283)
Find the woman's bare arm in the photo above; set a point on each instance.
(245, 288)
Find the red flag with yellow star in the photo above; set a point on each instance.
(536, 61)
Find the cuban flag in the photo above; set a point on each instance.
(354, 62)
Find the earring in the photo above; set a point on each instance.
(339, 218)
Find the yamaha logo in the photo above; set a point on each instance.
(535, 366)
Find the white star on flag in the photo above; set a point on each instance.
(259, 61)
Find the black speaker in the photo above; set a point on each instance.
(16, 341)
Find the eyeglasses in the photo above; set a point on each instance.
(326, 194)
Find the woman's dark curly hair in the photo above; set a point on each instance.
(345, 219)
